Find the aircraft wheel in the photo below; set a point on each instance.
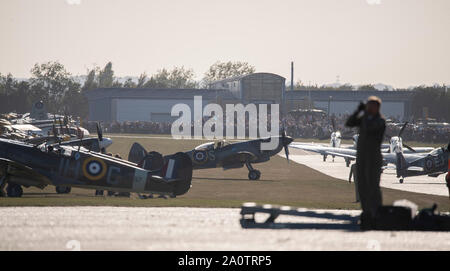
(63, 189)
(14, 190)
(99, 192)
(347, 163)
(124, 194)
(111, 193)
(254, 175)
(401, 180)
(324, 158)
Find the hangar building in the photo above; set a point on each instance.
(394, 103)
(132, 104)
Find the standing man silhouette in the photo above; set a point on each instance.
(368, 157)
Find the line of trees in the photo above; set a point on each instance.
(433, 102)
(53, 84)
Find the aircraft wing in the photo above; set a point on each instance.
(390, 158)
(419, 150)
(239, 158)
(340, 152)
(24, 172)
(309, 147)
(342, 155)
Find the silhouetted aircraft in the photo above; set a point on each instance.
(227, 155)
(432, 163)
(349, 153)
(23, 164)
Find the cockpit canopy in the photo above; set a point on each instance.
(436, 151)
(212, 145)
(205, 146)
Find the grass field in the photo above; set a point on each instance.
(281, 183)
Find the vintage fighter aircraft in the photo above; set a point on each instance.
(227, 155)
(23, 164)
(395, 145)
(97, 144)
(432, 163)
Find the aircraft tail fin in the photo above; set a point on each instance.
(401, 165)
(137, 153)
(178, 168)
(38, 111)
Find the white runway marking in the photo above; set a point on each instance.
(338, 169)
(132, 228)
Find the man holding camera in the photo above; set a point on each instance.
(368, 157)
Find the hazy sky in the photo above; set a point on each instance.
(398, 42)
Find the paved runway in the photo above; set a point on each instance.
(338, 169)
(132, 228)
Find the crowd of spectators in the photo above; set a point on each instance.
(311, 126)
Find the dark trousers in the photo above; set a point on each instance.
(368, 181)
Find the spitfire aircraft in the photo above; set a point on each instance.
(395, 145)
(432, 163)
(227, 155)
(23, 164)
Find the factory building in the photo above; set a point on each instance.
(131, 104)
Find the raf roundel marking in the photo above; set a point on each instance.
(429, 164)
(94, 168)
(200, 156)
(39, 105)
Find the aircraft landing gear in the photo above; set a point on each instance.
(401, 180)
(124, 194)
(324, 158)
(98, 192)
(447, 180)
(14, 190)
(2, 186)
(347, 162)
(253, 174)
(63, 189)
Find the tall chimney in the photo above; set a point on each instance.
(292, 75)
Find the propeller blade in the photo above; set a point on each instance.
(409, 148)
(333, 123)
(401, 130)
(286, 152)
(99, 132)
(55, 131)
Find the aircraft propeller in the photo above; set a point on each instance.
(100, 136)
(55, 131)
(99, 132)
(399, 135)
